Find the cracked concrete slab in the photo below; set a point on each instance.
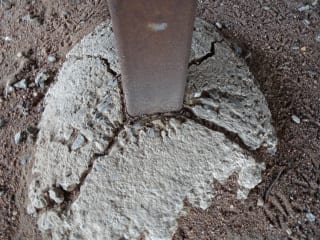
(131, 179)
(74, 126)
(148, 176)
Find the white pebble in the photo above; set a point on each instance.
(296, 119)
(310, 217)
(52, 59)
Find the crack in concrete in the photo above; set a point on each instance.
(233, 137)
(198, 61)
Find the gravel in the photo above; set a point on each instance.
(295, 119)
(21, 84)
(41, 78)
(52, 59)
(19, 137)
(78, 143)
(310, 217)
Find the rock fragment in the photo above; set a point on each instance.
(52, 59)
(56, 195)
(41, 79)
(78, 142)
(311, 217)
(295, 119)
(21, 84)
(20, 137)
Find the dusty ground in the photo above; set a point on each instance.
(280, 41)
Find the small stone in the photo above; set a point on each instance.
(306, 22)
(41, 78)
(310, 217)
(21, 84)
(78, 143)
(52, 59)
(19, 54)
(303, 49)
(7, 38)
(304, 8)
(15, 213)
(266, 8)
(260, 202)
(2, 122)
(10, 89)
(318, 38)
(19, 137)
(289, 232)
(218, 25)
(295, 119)
(56, 195)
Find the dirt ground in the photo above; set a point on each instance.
(280, 40)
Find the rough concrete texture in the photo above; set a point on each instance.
(83, 109)
(131, 179)
(100, 44)
(222, 90)
(140, 186)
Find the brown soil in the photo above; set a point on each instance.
(281, 47)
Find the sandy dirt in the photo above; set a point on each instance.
(280, 41)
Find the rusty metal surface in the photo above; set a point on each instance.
(153, 40)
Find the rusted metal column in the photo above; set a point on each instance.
(153, 40)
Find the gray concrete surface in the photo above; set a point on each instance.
(130, 179)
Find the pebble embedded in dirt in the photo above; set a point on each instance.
(296, 119)
(311, 217)
(20, 137)
(78, 143)
(21, 84)
(41, 78)
(52, 59)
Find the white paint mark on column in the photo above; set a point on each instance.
(158, 26)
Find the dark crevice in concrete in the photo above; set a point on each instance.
(118, 78)
(233, 137)
(72, 196)
(109, 69)
(200, 60)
